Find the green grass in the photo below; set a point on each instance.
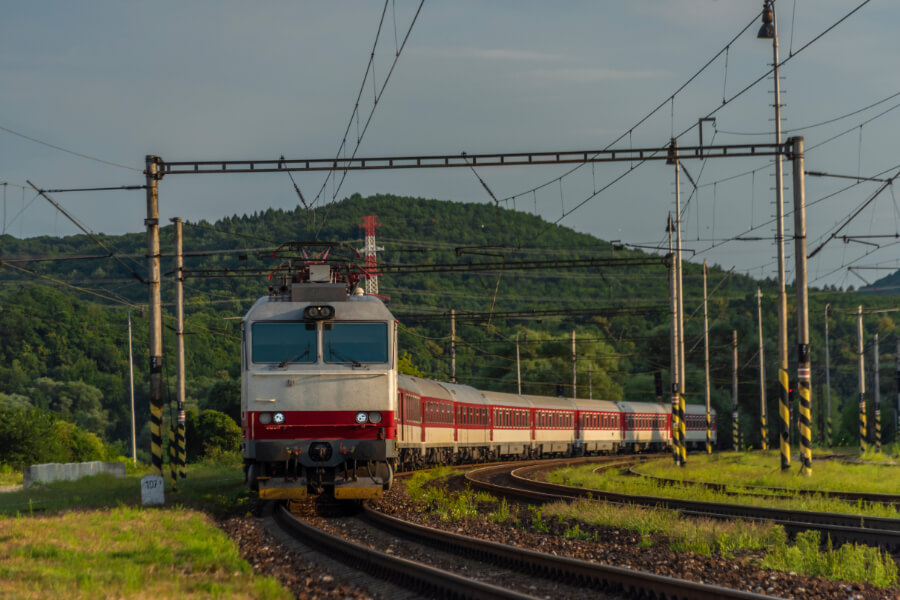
(125, 552)
(613, 480)
(764, 469)
(850, 562)
(702, 536)
(92, 538)
(215, 487)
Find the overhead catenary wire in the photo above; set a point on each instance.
(376, 98)
(61, 149)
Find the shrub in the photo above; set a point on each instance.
(210, 433)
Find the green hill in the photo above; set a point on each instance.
(66, 320)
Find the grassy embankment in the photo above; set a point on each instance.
(764, 469)
(616, 480)
(850, 562)
(92, 538)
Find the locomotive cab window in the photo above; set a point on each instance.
(283, 343)
(355, 343)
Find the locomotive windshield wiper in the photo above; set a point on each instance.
(284, 363)
(334, 353)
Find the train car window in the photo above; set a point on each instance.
(356, 343)
(283, 343)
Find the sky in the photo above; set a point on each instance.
(111, 82)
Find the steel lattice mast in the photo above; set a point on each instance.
(369, 224)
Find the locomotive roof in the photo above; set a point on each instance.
(352, 308)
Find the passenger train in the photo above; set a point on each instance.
(323, 408)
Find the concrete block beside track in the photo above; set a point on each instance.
(50, 472)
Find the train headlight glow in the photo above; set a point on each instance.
(265, 418)
(375, 418)
(278, 418)
(361, 418)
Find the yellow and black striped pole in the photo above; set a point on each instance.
(876, 388)
(155, 432)
(784, 419)
(676, 429)
(863, 428)
(180, 438)
(682, 437)
(805, 422)
(735, 431)
(155, 306)
(708, 433)
(173, 457)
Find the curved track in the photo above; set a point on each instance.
(609, 581)
(517, 482)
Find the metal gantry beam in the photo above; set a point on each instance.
(439, 161)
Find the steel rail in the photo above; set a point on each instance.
(607, 578)
(421, 578)
(841, 528)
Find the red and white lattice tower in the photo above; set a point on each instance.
(369, 225)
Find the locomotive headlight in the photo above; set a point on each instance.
(361, 418)
(265, 418)
(318, 312)
(278, 418)
(375, 417)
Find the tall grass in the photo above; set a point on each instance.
(702, 536)
(850, 562)
(764, 469)
(614, 480)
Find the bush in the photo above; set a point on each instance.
(210, 433)
(30, 436)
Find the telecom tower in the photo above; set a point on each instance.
(369, 224)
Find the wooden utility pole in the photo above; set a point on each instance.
(804, 375)
(452, 345)
(179, 333)
(764, 428)
(518, 367)
(706, 361)
(682, 428)
(131, 382)
(574, 370)
(862, 380)
(828, 380)
(735, 430)
(152, 223)
(877, 391)
(673, 338)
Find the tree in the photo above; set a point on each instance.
(225, 396)
(211, 433)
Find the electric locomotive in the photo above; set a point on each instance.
(319, 390)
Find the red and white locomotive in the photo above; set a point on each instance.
(324, 409)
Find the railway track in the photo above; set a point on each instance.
(518, 483)
(541, 575)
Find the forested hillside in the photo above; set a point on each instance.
(64, 344)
